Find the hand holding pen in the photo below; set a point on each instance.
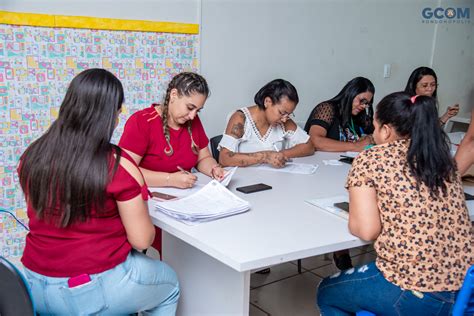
(276, 158)
(276, 149)
(184, 179)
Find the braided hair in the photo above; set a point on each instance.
(186, 83)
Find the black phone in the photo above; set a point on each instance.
(468, 196)
(342, 205)
(254, 188)
(345, 159)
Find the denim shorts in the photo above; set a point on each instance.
(139, 284)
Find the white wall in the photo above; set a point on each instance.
(318, 45)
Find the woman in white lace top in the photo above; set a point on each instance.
(265, 132)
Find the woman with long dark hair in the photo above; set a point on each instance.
(406, 194)
(265, 132)
(86, 202)
(344, 123)
(423, 81)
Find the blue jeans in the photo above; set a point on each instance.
(138, 284)
(365, 288)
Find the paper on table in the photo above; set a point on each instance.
(292, 167)
(456, 137)
(202, 181)
(351, 154)
(211, 202)
(327, 204)
(228, 176)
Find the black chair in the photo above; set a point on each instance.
(214, 143)
(15, 295)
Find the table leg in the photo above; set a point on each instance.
(208, 287)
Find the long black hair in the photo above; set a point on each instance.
(186, 83)
(416, 76)
(65, 172)
(429, 157)
(275, 90)
(343, 102)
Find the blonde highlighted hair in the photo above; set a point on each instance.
(186, 83)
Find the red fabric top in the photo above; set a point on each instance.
(94, 246)
(143, 135)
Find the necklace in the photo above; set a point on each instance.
(352, 129)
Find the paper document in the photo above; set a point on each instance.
(213, 201)
(351, 154)
(456, 137)
(229, 172)
(292, 167)
(327, 204)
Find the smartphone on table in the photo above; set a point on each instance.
(162, 196)
(346, 159)
(254, 188)
(343, 206)
(469, 197)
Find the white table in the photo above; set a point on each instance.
(213, 260)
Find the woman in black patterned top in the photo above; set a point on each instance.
(344, 123)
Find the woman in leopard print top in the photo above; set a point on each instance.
(406, 194)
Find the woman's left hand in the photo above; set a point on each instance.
(217, 172)
(452, 110)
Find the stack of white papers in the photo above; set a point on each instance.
(212, 202)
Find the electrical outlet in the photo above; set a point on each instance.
(387, 69)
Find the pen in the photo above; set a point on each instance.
(185, 171)
(276, 149)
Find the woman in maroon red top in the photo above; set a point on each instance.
(167, 138)
(87, 207)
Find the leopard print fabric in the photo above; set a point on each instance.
(426, 242)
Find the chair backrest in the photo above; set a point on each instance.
(15, 296)
(214, 142)
(464, 304)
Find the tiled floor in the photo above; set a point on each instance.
(285, 292)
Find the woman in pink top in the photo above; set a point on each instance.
(87, 207)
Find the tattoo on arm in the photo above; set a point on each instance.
(257, 157)
(237, 130)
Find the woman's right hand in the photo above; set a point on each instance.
(275, 158)
(183, 179)
(362, 143)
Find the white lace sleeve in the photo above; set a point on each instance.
(299, 136)
(230, 143)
